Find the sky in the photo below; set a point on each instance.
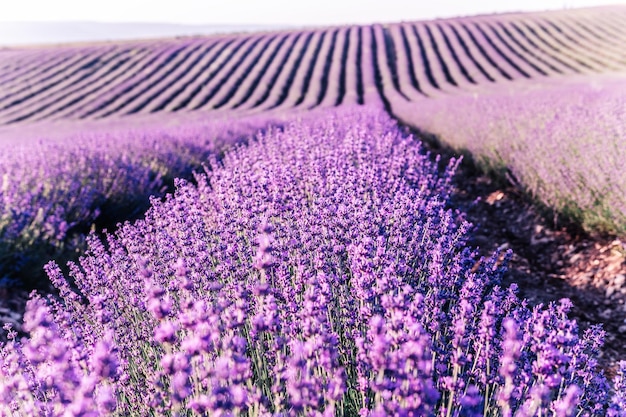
(37, 22)
(265, 12)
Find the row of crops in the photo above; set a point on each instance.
(319, 269)
(315, 272)
(89, 176)
(307, 69)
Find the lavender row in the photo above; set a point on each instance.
(18, 84)
(561, 142)
(556, 138)
(54, 187)
(257, 72)
(156, 87)
(453, 56)
(72, 86)
(146, 87)
(131, 85)
(27, 67)
(314, 272)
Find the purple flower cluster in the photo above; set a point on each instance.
(54, 372)
(55, 186)
(317, 272)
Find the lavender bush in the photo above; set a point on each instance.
(315, 272)
(561, 140)
(55, 186)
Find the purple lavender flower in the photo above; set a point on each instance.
(511, 350)
(361, 298)
(617, 405)
(566, 406)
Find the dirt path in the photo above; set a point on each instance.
(550, 263)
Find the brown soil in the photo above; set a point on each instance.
(549, 261)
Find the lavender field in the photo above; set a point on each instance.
(244, 224)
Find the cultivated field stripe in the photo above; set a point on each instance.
(466, 57)
(155, 82)
(24, 67)
(418, 60)
(13, 60)
(126, 82)
(159, 91)
(226, 70)
(100, 87)
(613, 23)
(406, 75)
(514, 53)
(538, 48)
(324, 78)
(383, 85)
(580, 38)
(270, 81)
(584, 60)
(370, 92)
(178, 88)
(581, 33)
(258, 89)
(79, 92)
(533, 50)
(591, 30)
(360, 85)
(28, 106)
(75, 68)
(331, 93)
(313, 82)
(351, 93)
(450, 57)
(322, 68)
(215, 62)
(291, 94)
(68, 69)
(244, 80)
(410, 64)
(122, 76)
(383, 76)
(65, 105)
(438, 74)
(15, 74)
(250, 70)
(483, 53)
(341, 91)
(152, 82)
(118, 96)
(390, 51)
(167, 88)
(497, 52)
(287, 75)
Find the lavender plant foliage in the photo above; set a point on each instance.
(315, 272)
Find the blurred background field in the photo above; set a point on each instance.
(560, 140)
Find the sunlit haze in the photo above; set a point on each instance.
(48, 22)
(268, 12)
